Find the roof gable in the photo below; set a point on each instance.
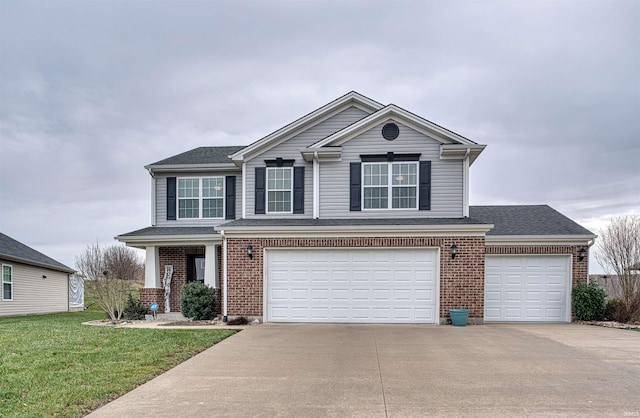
(453, 145)
(17, 251)
(350, 99)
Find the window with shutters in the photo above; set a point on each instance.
(200, 197)
(279, 189)
(7, 282)
(392, 185)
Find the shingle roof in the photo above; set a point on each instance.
(352, 222)
(17, 251)
(526, 220)
(170, 230)
(201, 155)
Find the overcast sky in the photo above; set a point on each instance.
(90, 92)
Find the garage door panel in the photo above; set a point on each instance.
(352, 285)
(527, 288)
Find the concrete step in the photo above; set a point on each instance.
(172, 316)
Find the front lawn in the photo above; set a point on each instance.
(54, 365)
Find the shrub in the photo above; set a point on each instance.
(588, 301)
(134, 308)
(610, 309)
(627, 313)
(197, 301)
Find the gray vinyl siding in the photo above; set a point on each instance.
(291, 150)
(161, 199)
(33, 294)
(446, 176)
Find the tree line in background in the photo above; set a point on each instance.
(109, 272)
(618, 252)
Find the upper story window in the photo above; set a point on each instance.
(200, 197)
(279, 189)
(390, 185)
(7, 282)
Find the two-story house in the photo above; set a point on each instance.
(357, 212)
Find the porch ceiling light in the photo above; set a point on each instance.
(250, 251)
(582, 254)
(454, 250)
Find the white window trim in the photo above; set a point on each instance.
(267, 190)
(200, 197)
(390, 185)
(3, 282)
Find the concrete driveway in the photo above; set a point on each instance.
(400, 371)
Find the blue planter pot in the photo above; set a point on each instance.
(459, 317)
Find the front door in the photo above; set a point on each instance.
(195, 268)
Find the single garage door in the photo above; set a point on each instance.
(527, 288)
(351, 285)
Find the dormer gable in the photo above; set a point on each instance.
(351, 99)
(452, 145)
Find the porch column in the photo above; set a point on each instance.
(210, 265)
(152, 277)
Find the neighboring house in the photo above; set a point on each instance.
(32, 283)
(356, 212)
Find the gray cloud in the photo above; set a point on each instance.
(90, 92)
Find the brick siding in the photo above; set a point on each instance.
(461, 279)
(579, 268)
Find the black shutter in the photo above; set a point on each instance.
(425, 185)
(260, 190)
(354, 187)
(298, 189)
(230, 197)
(171, 198)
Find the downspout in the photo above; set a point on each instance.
(465, 181)
(244, 188)
(153, 197)
(316, 186)
(593, 241)
(224, 276)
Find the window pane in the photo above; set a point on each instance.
(212, 208)
(279, 182)
(404, 174)
(188, 208)
(6, 291)
(188, 187)
(213, 187)
(403, 198)
(376, 174)
(375, 198)
(6, 274)
(279, 201)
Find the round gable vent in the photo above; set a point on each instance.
(390, 131)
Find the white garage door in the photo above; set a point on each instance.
(527, 288)
(351, 285)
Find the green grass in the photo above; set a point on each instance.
(54, 365)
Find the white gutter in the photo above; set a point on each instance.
(593, 241)
(465, 184)
(316, 186)
(153, 197)
(244, 190)
(224, 277)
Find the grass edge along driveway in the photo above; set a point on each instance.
(54, 365)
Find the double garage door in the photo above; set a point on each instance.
(348, 285)
(352, 285)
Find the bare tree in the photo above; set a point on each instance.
(108, 271)
(123, 262)
(619, 253)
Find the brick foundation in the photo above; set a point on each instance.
(148, 295)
